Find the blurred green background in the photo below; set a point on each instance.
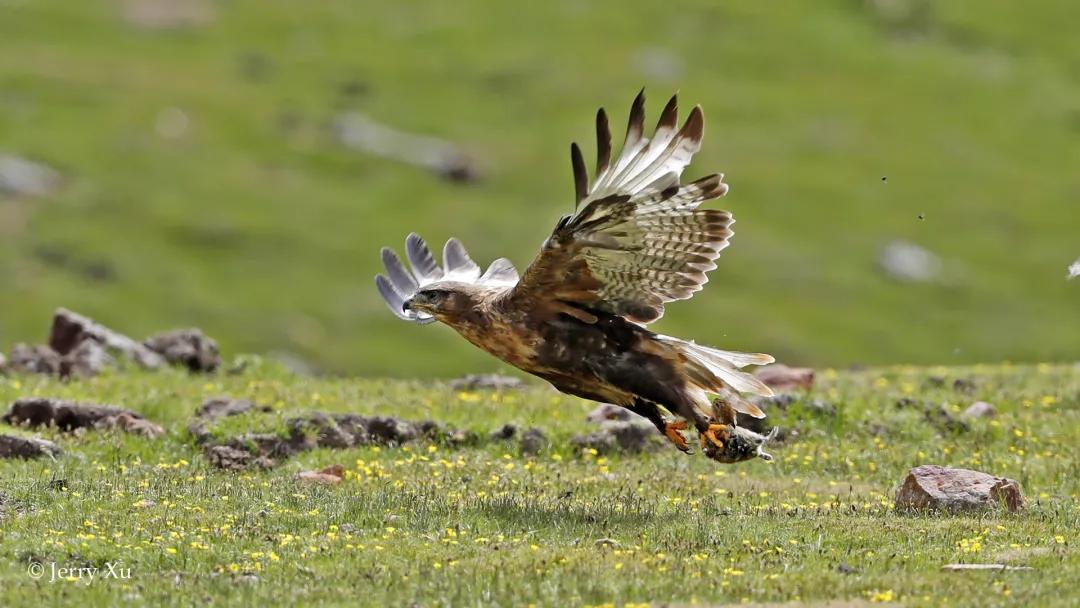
(201, 182)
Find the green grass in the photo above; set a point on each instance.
(433, 525)
(268, 236)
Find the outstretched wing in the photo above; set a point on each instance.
(637, 239)
(400, 284)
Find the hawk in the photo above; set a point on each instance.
(577, 317)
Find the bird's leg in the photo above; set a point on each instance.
(668, 427)
(719, 430)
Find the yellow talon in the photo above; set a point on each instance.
(671, 430)
(717, 434)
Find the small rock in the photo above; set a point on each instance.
(630, 437)
(910, 263)
(231, 458)
(533, 442)
(941, 417)
(88, 359)
(215, 407)
(489, 381)
(997, 567)
(444, 158)
(22, 177)
(609, 543)
(70, 329)
(964, 385)
(27, 447)
(843, 568)
(1074, 269)
(783, 378)
(130, 424)
(390, 430)
(69, 416)
(34, 359)
(187, 347)
(332, 474)
(606, 412)
(932, 487)
(169, 14)
(503, 433)
(980, 409)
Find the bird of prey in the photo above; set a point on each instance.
(577, 316)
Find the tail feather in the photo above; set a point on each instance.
(718, 371)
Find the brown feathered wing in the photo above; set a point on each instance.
(638, 239)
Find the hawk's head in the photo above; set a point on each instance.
(428, 292)
(444, 300)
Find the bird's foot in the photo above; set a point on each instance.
(672, 430)
(716, 434)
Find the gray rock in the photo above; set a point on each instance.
(70, 329)
(190, 348)
(34, 359)
(932, 487)
(783, 378)
(607, 412)
(473, 382)
(980, 409)
(449, 161)
(910, 263)
(22, 177)
(533, 441)
(70, 416)
(27, 447)
(630, 437)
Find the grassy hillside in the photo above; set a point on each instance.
(431, 524)
(254, 223)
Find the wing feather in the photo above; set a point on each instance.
(638, 239)
(399, 284)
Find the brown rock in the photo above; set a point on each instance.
(26, 447)
(606, 411)
(332, 474)
(70, 329)
(187, 347)
(69, 416)
(232, 459)
(980, 409)
(932, 487)
(533, 441)
(627, 437)
(487, 381)
(32, 359)
(87, 359)
(997, 567)
(216, 407)
(783, 378)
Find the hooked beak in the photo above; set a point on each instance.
(406, 306)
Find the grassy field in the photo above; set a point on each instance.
(255, 224)
(428, 524)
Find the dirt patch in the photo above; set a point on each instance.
(69, 416)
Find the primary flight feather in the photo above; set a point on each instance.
(636, 241)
